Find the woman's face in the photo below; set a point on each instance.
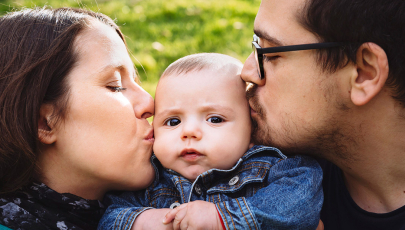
(105, 140)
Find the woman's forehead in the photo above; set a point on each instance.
(98, 48)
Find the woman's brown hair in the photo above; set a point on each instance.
(36, 55)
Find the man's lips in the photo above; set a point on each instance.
(252, 110)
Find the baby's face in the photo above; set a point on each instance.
(202, 121)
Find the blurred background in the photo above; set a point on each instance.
(159, 32)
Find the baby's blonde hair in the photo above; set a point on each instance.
(200, 61)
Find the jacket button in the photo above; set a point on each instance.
(174, 205)
(197, 189)
(234, 180)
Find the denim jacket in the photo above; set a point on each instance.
(264, 190)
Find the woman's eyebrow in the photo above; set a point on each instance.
(110, 68)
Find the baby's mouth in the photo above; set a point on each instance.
(190, 154)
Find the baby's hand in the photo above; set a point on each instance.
(194, 215)
(152, 219)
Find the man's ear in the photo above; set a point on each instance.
(372, 73)
(46, 132)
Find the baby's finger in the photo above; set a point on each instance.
(169, 217)
(178, 219)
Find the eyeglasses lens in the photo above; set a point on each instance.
(259, 63)
(259, 58)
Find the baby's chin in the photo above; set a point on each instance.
(191, 177)
(193, 172)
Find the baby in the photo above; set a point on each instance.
(206, 175)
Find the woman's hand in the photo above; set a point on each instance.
(152, 219)
(194, 215)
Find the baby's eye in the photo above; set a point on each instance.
(215, 120)
(172, 122)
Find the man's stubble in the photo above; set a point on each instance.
(332, 141)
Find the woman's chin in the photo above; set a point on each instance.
(144, 180)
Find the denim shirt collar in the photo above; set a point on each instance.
(209, 177)
(259, 148)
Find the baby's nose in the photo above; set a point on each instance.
(191, 130)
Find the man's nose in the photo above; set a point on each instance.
(250, 73)
(191, 130)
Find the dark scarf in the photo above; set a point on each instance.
(39, 207)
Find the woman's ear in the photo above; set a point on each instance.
(46, 132)
(372, 73)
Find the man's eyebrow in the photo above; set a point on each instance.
(272, 40)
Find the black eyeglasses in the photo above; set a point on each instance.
(259, 51)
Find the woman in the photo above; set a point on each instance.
(73, 119)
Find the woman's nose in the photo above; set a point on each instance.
(191, 130)
(144, 104)
(250, 73)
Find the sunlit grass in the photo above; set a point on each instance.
(159, 32)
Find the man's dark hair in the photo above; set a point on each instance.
(356, 22)
(36, 55)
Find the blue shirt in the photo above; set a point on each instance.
(264, 190)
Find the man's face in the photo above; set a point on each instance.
(297, 106)
(202, 121)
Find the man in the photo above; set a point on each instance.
(342, 100)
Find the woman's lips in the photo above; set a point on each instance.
(150, 137)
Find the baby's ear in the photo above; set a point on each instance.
(46, 132)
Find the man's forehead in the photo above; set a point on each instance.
(277, 22)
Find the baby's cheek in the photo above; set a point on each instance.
(157, 145)
(163, 150)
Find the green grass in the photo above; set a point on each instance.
(159, 32)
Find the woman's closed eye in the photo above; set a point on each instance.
(215, 119)
(116, 89)
(172, 122)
